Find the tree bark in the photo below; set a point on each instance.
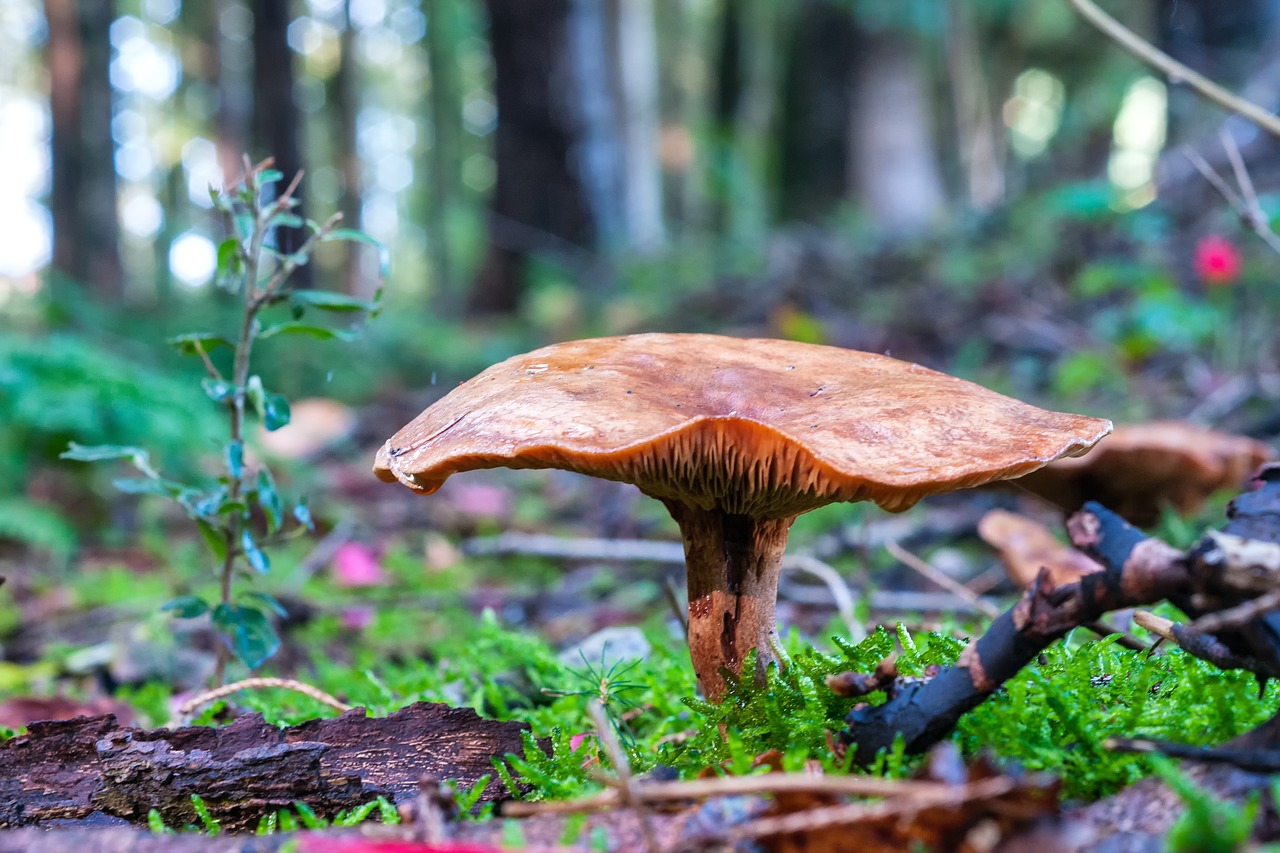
(91, 771)
(86, 230)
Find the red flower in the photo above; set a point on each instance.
(1217, 260)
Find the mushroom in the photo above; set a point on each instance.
(1145, 467)
(736, 437)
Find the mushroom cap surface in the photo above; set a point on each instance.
(756, 427)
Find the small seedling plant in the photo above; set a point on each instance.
(241, 514)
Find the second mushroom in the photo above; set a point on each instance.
(736, 437)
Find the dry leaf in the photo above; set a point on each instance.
(1026, 546)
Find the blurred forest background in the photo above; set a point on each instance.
(988, 187)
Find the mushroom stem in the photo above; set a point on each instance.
(733, 563)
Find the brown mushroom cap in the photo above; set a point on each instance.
(756, 427)
(1146, 466)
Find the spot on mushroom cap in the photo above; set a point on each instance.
(753, 426)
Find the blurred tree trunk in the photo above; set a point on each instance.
(688, 28)
(814, 126)
(232, 60)
(444, 31)
(576, 86)
(86, 229)
(346, 111)
(755, 35)
(276, 122)
(979, 134)
(539, 199)
(894, 172)
(637, 75)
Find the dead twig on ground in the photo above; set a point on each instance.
(728, 786)
(940, 578)
(187, 709)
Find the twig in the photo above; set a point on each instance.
(1234, 617)
(1251, 212)
(642, 550)
(188, 708)
(1251, 760)
(1157, 625)
(1138, 570)
(843, 815)
(902, 555)
(622, 781)
(729, 786)
(678, 609)
(1174, 70)
(1211, 175)
(841, 595)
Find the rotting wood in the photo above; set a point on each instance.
(94, 772)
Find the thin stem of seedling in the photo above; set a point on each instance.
(255, 298)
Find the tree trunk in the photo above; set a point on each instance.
(346, 108)
(538, 200)
(276, 122)
(576, 86)
(232, 64)
(979, 135)
(86, 230)
(814, 128)
(894, 172)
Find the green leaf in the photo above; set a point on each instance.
(327, 300)
(204, 505)
(187, 606)
(308, 817)
(255, 393)
(252, 636)
(256, 557)
(293, 327)
(194, 342)
(230, 262)
(302, 513)
(269, 176)
(269, 500)
(213, 537)
(103, 452)
(148, 486)
(354, 236)
(269, 600)
(276, 412)
(284, 219)
(235, 458)
(218, 390)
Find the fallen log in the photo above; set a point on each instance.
(92, 771)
